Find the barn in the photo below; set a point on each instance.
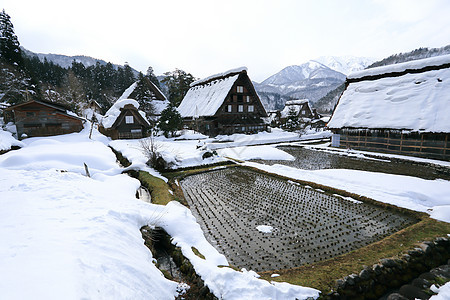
(224, 103)
(401, 109)
(42, 118)
(124, 121)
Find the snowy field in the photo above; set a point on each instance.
(67, 236)
(64, 235)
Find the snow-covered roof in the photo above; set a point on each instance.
(413, 101)
(402, 67)
(126, 94)
(159, 106)
(294, 104)
(113, 113)
(219, 75)
(205, 99)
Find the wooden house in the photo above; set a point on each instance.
(124, 121)
(158, 100)
(400, 109)
(301, 107)
(42, 118)
(225, 103)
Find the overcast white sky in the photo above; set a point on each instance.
(207, 37)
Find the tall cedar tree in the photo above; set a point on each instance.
(292, 120)
(178, 83)
(144, 94)
(170, 120)
(9, 43)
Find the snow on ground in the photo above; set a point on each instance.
(444, 292)
(431, 196)
(7, 141)
(255, 152)
(65, 235)
(276, 136)
(264, 228)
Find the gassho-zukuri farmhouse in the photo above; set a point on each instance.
(400, 109)
(224, 103)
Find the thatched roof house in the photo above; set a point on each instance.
(224, 103)
(402, 108)
(124, 121)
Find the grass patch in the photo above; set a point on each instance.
(159, 189)
(323, 275)
(196, 252)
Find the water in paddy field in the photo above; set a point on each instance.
(303, 225)
(308, 159)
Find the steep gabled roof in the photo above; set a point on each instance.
(296, 104)
(114, 112)
(128, 93)
(206, 96)
(413, 96)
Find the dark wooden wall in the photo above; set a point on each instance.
(427, 145)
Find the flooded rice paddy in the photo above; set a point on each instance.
(307, 225)
(318, 159)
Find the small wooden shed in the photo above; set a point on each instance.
(42, 118)
(124, 121)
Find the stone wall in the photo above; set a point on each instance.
(391, 273)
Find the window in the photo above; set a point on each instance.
(135, 130)
(240, 89)
(241, 108)
(229, 108)
(250, 108)
(243, 128)
(303, 112)
(247, 99)
(129, 120)
(30, 114)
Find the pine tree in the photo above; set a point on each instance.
(178, 83)
(9, 43)
(170, 120)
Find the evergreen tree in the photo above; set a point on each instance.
(170, 121)
(178, 83)
(152, 77)
(292, 120)
(144, 95)
(9, 43)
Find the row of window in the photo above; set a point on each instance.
(250, 108)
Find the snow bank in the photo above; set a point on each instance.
(430, 196)
(255, 152)
(443, 293)
(7, 141)
(417, 102)
(276, 136)
(67, 236)
(48, 153)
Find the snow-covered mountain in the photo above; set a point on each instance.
(311, 80)
(345, 64)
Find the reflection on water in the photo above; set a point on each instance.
(308, 159)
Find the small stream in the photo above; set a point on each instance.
(308, 159)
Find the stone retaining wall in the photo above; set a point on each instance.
(390, 273)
